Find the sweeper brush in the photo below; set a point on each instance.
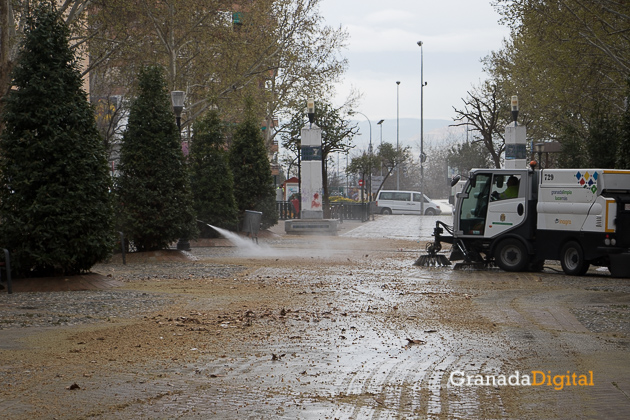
(433, 258)
(471, 258)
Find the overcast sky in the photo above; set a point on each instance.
(383, 49)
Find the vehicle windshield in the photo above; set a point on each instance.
(475, 206)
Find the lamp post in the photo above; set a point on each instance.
(381, 124)
(397, 133)
(177, 99)
(423, 157)
(369, 186)
(538, 148)
(310, 111)
(514, 104)
(347, 179)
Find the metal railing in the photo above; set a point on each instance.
(345, 211)
(341, 211)
(286, 210)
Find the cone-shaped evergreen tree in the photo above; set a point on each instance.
(153, 189)
(211, 177)
(253, 183)
(55, 203)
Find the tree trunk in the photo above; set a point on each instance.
(6, 64)
(325, 201)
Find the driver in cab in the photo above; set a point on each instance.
(510, 192)
(512, 189)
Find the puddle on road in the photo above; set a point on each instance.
(354, 342)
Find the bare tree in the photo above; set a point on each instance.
(486, 111)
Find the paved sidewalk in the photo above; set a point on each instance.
(419, 228)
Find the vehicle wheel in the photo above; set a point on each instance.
(572, 259)
(511, 255)
(429, 212)
(386, 211)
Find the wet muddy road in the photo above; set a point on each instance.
(325, 328)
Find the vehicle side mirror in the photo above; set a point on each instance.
(455, 180)
(500, 182)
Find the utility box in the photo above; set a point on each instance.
(251, 223)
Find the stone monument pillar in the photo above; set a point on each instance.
(515, 142)
(311, 184)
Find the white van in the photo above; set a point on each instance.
(404, 202)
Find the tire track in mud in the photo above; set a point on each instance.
(417, 384)
(366, 386)
(387, 387)
(366, 390)
(479, 401)
(380, 383)
(414, 381)
(436, 402)
(446, 399)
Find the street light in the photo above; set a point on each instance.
(538, 148)
(369, 152)
(514, 103)
(177, 98)
(381, 124)
(397, 133)
(423, 157)
(310, 111)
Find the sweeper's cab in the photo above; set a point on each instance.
(493, 202)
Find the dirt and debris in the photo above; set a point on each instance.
(314, 328)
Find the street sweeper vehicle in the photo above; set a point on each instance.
(518, 218)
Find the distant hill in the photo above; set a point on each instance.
(436, 132)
